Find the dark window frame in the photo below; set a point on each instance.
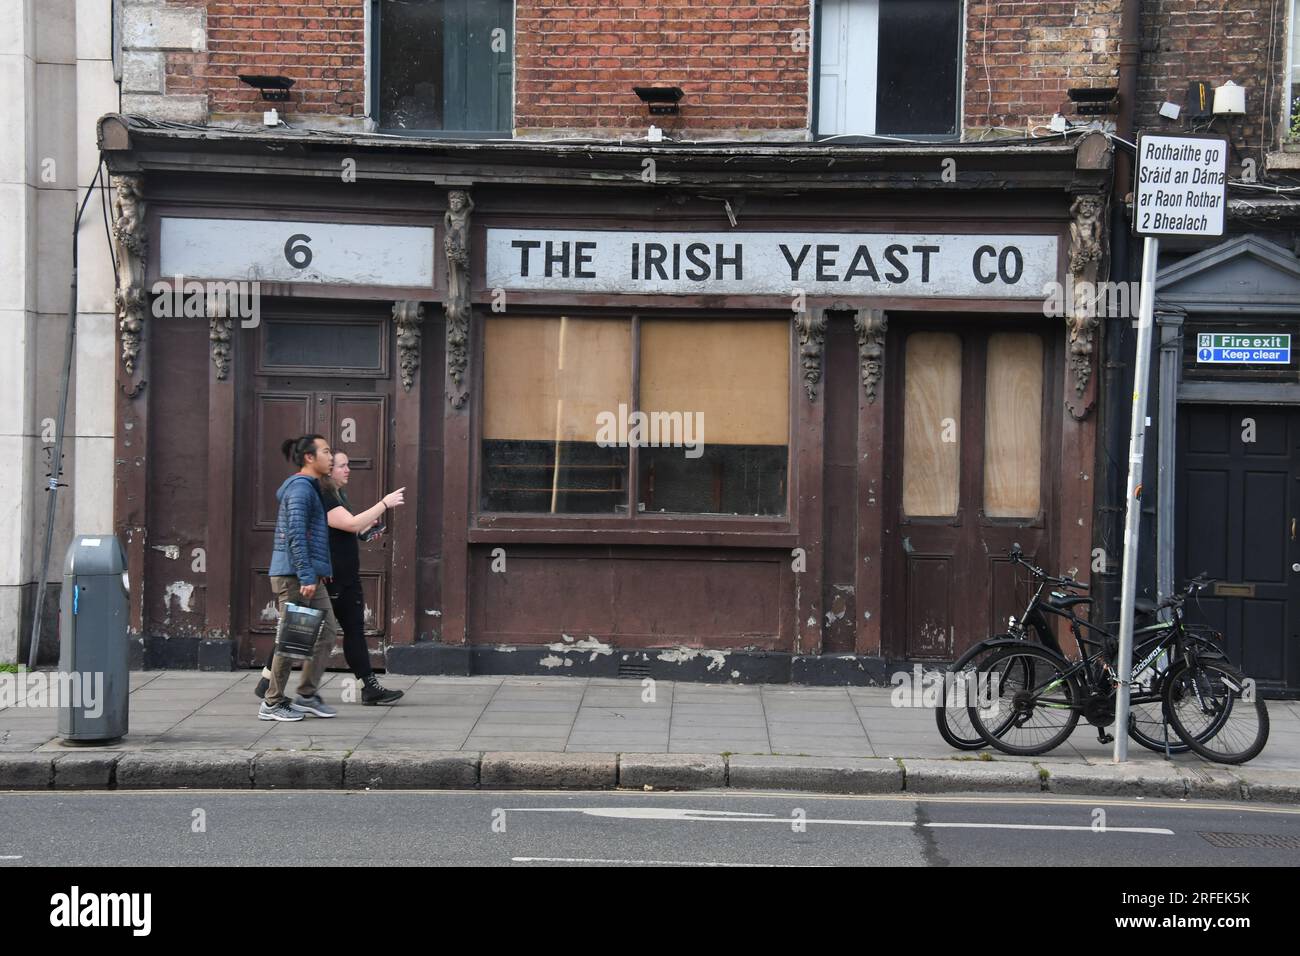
(632, 520)
(374, 70)
(814, 91)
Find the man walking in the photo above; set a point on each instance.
(300, 567)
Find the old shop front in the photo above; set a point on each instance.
(768, 412)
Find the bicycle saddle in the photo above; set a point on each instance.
(1063, 601)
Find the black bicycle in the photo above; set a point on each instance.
(1041, 695)
(964, 685)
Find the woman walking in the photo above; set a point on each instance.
(345, 592)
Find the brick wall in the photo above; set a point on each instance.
(1022, 56)
(1214, 40)
(743, 68)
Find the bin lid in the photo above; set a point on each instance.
(95, 554)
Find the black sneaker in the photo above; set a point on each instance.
(372, 694)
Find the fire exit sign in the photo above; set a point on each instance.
(1233, 348)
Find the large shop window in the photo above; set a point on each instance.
(710, 424)
(931, 413)
(1013, 425)
(888, 67)
(443, 65)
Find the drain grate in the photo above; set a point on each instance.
(1261, 841)
(633, 671)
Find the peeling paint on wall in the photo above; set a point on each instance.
(680, 655)
(588, 643)
(183, 592)
(170, 551)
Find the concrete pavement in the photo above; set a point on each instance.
(191, 729)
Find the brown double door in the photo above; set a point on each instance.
(972, 411)
(353, 411)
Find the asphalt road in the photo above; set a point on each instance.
(729, 828)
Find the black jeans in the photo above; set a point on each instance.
(350, 609)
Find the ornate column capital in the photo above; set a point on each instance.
(131, 243)
(1087, 255)
(812, 333)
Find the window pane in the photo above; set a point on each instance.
(916, 84)
(323, 345)
(931, 415)
(545, 382)
(716, 399)
(411, 64)
(1013, 419)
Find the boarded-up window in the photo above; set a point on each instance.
(931, 415)
(545, 382)
(1013, 418)
(728, 383)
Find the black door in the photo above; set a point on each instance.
(1238, 500)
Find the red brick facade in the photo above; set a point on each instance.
(1022, 56)
(745, 64)
(1217, 41)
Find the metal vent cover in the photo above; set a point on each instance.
(632, 670)
(1250, 841)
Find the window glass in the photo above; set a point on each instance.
(445, 64)
(1013, 419)
(715, 396)
(888, 67)
(323, 345)
(931, 419)
(546, 382)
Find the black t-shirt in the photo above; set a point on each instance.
(345, 553)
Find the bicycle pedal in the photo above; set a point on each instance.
(1104, 738)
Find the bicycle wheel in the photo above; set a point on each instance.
(1206, 700)
(962, 682)
(1035, 707)
(1147, 724)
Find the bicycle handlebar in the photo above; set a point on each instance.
(1017, 557)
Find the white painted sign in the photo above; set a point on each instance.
(1181, 186)
(770, 263)
(331, 253)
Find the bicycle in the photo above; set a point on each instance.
(1198, 690)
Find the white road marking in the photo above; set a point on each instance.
(583, 859)
(10, 857)
(729, 816)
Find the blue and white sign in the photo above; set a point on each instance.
(1230, 348)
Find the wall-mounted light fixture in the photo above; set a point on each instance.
(662, 100)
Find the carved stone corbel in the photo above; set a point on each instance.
(812, 333)
(1087, 252)
(871, 325)
(456, 246)
(408, 316)
(131, 246)
(219, 336)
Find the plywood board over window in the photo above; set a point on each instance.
(931, 417)
(549, 378)
(736, 374)
(1013, 419)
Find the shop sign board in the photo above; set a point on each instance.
(771, 263)
(268, 250)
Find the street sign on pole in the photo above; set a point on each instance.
(1180, 189)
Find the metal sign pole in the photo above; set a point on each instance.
(1133, 507)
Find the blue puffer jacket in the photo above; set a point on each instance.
(302, 537)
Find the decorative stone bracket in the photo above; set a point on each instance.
(456, 246)
(408, 315)
(871, 325)
(219, 335)
(131, 245)
(1087, 254)
(812, 333)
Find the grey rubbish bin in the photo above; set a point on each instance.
(93, 656)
